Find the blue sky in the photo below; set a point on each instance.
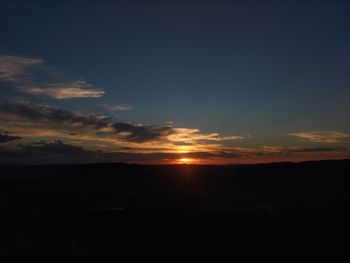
(257, 71)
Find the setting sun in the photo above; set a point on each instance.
(185, 161)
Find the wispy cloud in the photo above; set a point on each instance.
(19, 72)
(75, 89)
(322, 136)
(189, 135)
(117, 107)
(14, 68)
(38, 120)
(298, 149)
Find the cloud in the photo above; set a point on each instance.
(322, 136)
(58, 151)
(51, 116)
(299, 149)
(60, 119)
(70, 90)
(189, 135)
(19, 72)
(270, 151)
(142, 133)
(29, 119)
(46, 152)
(117, 107)
(5, 137)
(55, 147)
(14, 68)
(310, 149)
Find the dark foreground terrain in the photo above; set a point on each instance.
(134, 213)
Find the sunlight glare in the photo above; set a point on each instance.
(185, 161)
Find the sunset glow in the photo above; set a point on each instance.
(225, 91)
(185, 161)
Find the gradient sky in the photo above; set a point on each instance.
(157, 81)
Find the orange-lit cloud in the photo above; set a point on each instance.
(70, 90)
(15, 68)
(187, 135)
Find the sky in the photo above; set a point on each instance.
(204, 82)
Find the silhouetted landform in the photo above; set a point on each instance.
(168, 213)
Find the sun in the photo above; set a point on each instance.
(184, 148)
(185, 161)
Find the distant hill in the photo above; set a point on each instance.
(263, 188)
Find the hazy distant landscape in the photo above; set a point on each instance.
(97, 210)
